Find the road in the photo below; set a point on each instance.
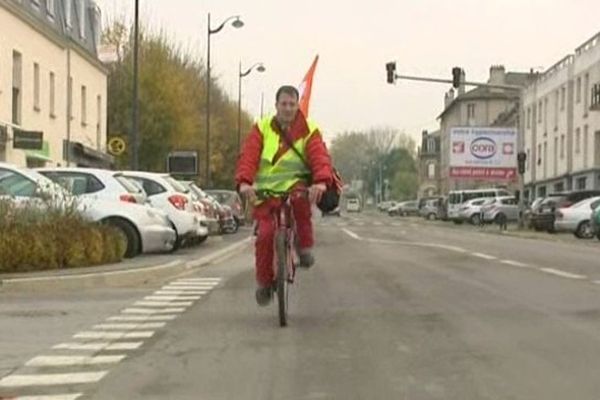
(394, 309)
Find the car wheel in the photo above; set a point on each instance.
(584, 230)
(201, 239)
(129, 232)
(178, 240)
(236, 226)
(475, 219)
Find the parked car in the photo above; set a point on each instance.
(471, 210)
(166, 194)
(96, 183)
(431, 209)
(543, 219)
(385, 206)
(577, 218)
(232, 199)
(204, 205)
(501, 209)
(353, 205)
(595, 222)
(531, 209)
(405, 208)
(144, 229)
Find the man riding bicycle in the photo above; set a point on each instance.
(269, 163)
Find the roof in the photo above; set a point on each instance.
(486, 93)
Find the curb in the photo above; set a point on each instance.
(116, 278)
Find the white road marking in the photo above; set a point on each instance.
(146, 325)
(142, 318)
(198, 286)
(562, 274)
(199, 280)
(65, 361)
(171, 298)
(174, 292)
(114, 335)
(377, 223)
(163, 303)
(51, 379)
(96, 346)
(153, 311)
(515, 263)
(73, 396)
(403, 232)
(484, 256)
(176, 287)
(351, 234)
(120, 346)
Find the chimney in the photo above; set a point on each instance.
(463, 78)
(497, 75)
(448, 98)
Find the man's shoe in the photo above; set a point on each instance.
(263, 296)
(307, 260)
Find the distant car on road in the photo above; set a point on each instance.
(385, 206)
(404, 209)
(470, 211)
(353, 205)
(431, 209)
(577, 218)
(232, 199)
(501, 209)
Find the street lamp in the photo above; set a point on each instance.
(236, 23)
(260, 68)
(135, 116)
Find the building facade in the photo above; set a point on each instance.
(562, 124)
(429, 164)
(482, 106)
(52, 82)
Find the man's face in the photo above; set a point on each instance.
(287, 107)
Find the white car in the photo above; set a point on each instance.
(96, 183)
(353, 205)
(471, 210)
(166, 194)
(576, 218)
(144, 229)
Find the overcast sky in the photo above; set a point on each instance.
(356, 39)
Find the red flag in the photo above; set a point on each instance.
(305, 88)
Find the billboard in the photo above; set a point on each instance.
(183, 163)
(483, 153)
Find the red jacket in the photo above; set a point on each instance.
(317, 155)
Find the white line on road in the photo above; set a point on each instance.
(351, 234)
(562, 274)
(146, 325)
(484, 256)
(199, 280)
(172, 298)
(113, 335)
(138, 310)
(163, 303)
(52, 379)
(377, 223)
(73, 396)
(120, 346)
(65, 361)
(515, 263)
(173, 292)
(142, 318)
(96, 346)
(193, 284)
(176, 287)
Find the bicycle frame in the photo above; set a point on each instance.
(286, 224)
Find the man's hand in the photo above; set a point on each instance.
(315, 192)
(248, 192)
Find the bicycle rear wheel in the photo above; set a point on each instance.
(282, 258)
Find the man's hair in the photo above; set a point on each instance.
(287, 89)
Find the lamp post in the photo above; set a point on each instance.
(135, 116)
(260, 68)
(237, 23)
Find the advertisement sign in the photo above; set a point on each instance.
(483, 153)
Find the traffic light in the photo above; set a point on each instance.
(391, 72)
(521, 158)
(456, 77)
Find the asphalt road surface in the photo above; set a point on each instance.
(394, 309)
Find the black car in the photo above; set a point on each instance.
(542, 218)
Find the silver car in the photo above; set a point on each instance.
(471, 210)
(501, 209)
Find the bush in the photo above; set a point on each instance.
(35, 238)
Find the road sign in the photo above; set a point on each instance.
(116, 146)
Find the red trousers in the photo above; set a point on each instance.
(264, 215)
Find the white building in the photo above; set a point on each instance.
(562, 124)
(52, 82)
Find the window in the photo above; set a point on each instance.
(562, 147)
(470, 111)
(585, 146)
(16, 87)
(546, 116)
(36, 86)
(528, 160)
(528, 117)
(545, 161)
(82, 18)
(99, 122)
(555, 155)
(50, 7)
(52, 82)
(539, 155)
(431, 171)
(83, 105)
(582, 183)
(559, 187)
(586, 91)
(578, 91)
(577, 140)
(540, 112)
(76, 183)
(556, 101)
(69, 13)
(563, 95)
(16, 185)
(150, 187)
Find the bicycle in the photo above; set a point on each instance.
(285, 246)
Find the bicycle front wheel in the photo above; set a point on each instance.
(282, 259)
